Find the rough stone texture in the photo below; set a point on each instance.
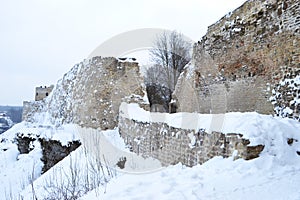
(286, 98)
(25, 143)
(54, 151)
(242, 58)
(172, 145)
(91, 93)
(30, 108)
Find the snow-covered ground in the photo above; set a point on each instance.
(259, 129)
(263, 178)
(274, 175)
(19, 170)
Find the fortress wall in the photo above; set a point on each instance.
(242, 58)
(173, 145)
(91, 92)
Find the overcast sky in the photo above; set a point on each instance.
(40, 40)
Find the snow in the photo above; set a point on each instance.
(193, 140)
(274, 175)
(141, 55)
(19, 170)
(256, 127)
(290, 87)
(236, 30)
(111, 145)
(16, 171)
(115, 139)
(287, 110)
(216, 179)
(104, 146)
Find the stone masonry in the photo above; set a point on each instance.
(172, 145)
(242, 58)
(91, 93)
(235, 67)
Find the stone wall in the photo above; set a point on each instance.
(91, 93)
(286, 98)
(242, 58)
(30, 108)
(173, 145)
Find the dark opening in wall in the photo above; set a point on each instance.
(234, 77)
(46, 94)
(37, 94)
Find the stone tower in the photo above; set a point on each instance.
(42, 92)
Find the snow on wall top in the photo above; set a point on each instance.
(253, 126)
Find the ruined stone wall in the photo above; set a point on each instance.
(242, 58)
(173, 145)
(90, 94)
(53, 151)
(30, 108)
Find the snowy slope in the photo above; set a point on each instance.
(263, 178)
(94, 163)
(274, 175)
(19, 170)
(16, 171)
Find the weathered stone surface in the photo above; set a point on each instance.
(24, 143)
(54, 151)
(253, 152)
(241, 59)
(234, 68)
(91, 93)
(30, 108)
(173, 145)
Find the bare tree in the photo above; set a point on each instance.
(171, 52)
(156, 75)
(157, 87)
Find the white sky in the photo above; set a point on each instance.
(40, 40)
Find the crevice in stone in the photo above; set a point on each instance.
(54, 151)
